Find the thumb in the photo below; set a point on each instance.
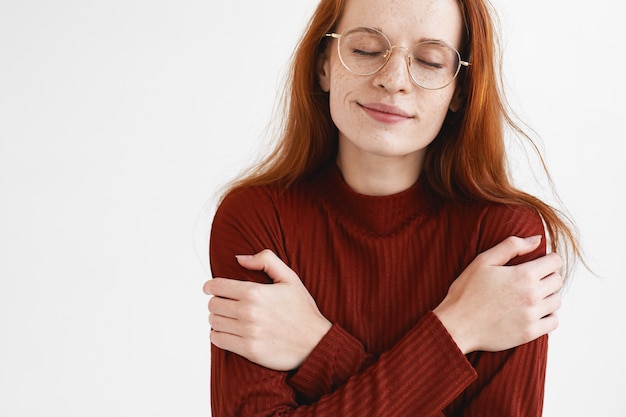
(268, 262)
(510, 248)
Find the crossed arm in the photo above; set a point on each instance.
(490, 307)
(274, 352)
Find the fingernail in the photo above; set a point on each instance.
(533, 239)
(243, 257)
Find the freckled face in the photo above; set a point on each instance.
(386, 114)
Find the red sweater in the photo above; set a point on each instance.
(376, 267)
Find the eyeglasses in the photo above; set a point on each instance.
(431, 64)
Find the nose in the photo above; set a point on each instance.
(394, 76)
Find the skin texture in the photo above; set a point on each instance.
(489, 307)
(380, 158)
(253, 320)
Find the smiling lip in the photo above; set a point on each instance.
(385, 113)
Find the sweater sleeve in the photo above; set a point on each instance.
(510, 383)
(338, 356)
(420, 375)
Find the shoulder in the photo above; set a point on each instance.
(250, 219)
(483, 225)
(246, 200)
(245, 222)
(260, 213)
(262, 202)
(510, 217)
(491, 217)
(245, 210)
(499, 221)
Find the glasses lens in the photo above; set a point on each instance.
(363, 51)
(434, 65)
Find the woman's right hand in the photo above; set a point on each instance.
(274, 325)
(493, 307)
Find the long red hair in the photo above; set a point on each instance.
(467, 160)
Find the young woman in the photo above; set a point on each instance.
(408, 275)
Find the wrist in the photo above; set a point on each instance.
(321, 329)
(456, 329)
(314, 336)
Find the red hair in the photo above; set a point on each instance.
(465, 162)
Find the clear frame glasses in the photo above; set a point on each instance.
(365, 51)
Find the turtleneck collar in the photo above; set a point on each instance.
(377, 215)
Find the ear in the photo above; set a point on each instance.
(458, 99)
(323, 70)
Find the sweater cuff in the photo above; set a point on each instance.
(453, 372)
(332, 362)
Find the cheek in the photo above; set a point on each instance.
(338, 110)
(438, 105)
(342, 97)
(340, 80)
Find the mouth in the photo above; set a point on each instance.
(385, 113)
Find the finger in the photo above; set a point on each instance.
(205, 287)
(270, 263)
(554, 302)
(224, 307)
(510, 248)
(548, 324)
(225, 324)
(226, 288)
(227, 341)
(552, 283)
(549, 305)
(541, 268)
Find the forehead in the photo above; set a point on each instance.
(407, 20)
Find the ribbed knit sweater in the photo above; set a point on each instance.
(377, 267)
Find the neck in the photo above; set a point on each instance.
(377, 175)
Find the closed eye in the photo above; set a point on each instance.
(361, 52)
(429, 64)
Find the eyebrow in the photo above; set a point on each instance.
(441, 41)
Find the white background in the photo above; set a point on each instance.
(119, 121)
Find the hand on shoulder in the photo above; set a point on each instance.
(493, 307)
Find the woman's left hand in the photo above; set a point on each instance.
(274, 325)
